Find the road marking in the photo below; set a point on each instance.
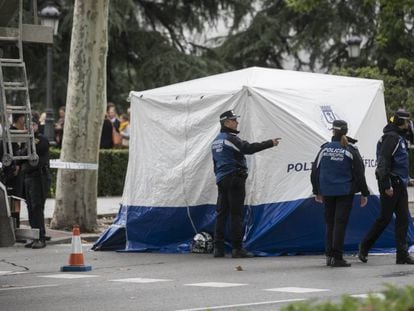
(28, 287)
(298, 290)
(140, 280)
(243, 305)
(364, 296)
(68, 276)
(215, 284)
(11, 272)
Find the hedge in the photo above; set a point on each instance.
(395, 299)
(113, 165)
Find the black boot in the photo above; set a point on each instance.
(404, 259)
(329, 260)
(39, 244)
(29, 244)
(362, 254)
(339, 263)
(218, 250)
(241, 253)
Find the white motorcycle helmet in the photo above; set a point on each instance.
(202, 243)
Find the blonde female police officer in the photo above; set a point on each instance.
(230, 168)
(337, 174)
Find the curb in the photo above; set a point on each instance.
(90, 238)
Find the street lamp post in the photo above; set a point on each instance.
(49, 16)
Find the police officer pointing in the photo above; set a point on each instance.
(230, 168)
(393, 176)
(337, 174)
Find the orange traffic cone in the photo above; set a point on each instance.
(76, 261)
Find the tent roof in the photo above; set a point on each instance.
(257, 77)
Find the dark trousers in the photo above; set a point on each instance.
(36, 187)
(337, 210)
(231, 194)
(397, 204)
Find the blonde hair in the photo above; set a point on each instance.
(344, 141)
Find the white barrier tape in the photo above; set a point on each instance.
(73, 165)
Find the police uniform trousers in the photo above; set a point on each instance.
(337, 211)
(397, 204)
(36, 188)
(230, 202)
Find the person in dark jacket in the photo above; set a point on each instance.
(393, 176)
(13, 178)
(338, 173)
(230, 168)
(37, 183)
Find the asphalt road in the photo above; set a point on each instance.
(30, 280)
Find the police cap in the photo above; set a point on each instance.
(339, 125)
(228, 115)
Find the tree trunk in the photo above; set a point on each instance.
(76, 190)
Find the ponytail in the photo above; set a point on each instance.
(344, 141)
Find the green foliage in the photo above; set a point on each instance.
(113, 165)
(147, 46)
(396, 299)
(149, 43)
(398, 86)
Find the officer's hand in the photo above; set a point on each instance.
(389, 192)
(364, 201)
(276, 141)
(319, 198)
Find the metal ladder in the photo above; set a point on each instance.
(14, 99)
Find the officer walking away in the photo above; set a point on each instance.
(230, 168)
(338, 173)
(393, 176)
(37, 183)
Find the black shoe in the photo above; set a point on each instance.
(29, 244)
(339, 263)
(241, 253)
(38, 244)
(362, 254)
(329, 260)
(407, 260)
(218, 252)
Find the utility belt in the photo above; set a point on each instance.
(239, 173)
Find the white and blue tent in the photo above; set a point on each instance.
(170, 192)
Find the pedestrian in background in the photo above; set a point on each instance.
(393, 176)
(338, 173)
(59, 127)
(230, 168)
(37, 184)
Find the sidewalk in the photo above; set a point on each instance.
(106, 207)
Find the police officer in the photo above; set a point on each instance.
(393, 176)
(37, 183)
(230, 169)
(337, 174)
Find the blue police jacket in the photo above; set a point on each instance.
(228, 153)
(338, 170)
(392, 157)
